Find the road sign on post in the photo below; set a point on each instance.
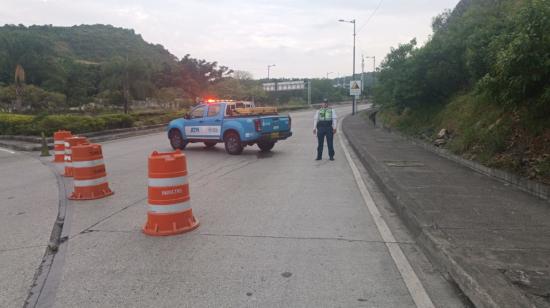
(355, 87)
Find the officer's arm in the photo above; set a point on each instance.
(334, 119)
(315, 119)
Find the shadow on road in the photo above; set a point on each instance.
(219, 150)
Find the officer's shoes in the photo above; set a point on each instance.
(332, 158)
(318, 158)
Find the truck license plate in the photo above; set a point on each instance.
(274, 135)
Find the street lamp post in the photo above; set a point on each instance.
(328, 73)
(373, 70)
(354, 107)
(268, 69)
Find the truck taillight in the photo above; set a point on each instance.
(289, 122)
(258, 125)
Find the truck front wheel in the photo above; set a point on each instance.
(176, 140)
(233, 143)
(266, 146)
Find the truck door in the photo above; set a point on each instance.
(201, 125)
(213, 121)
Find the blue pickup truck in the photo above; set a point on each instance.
(233, 123)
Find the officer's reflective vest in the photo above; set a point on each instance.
(325, 117)
(325, 114)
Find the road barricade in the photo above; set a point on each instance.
(169, 211)
(69, 143)
(59, 145)
(90, 177)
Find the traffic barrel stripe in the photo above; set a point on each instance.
(85, 164)
(92, 182)
(154, 182)
(169, 209)
(59, 145)
(69, 143)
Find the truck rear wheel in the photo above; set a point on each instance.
(266, 146)
(176, 140)
(233, 143)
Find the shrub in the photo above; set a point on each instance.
(113, 121)
(16, 124)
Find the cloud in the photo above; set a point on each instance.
(302, 37)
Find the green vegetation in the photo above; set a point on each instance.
(484, 76)
(19, 124)
(94, 65)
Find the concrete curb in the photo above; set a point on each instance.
(484, 286)
(29, 143)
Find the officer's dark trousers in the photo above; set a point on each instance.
(323, 132)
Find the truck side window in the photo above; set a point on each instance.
(213, 110)
(229, 109)
(197, 113)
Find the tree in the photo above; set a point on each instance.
(126, 78)
(195, 76)
(19, 84)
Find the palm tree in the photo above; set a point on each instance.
(19, 84)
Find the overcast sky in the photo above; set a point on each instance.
(303, 38)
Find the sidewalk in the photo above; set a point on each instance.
(492, 239)
(29, 202)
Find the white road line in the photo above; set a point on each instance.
(416, 289)
(6, 150)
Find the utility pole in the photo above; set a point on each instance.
(268, 69)
(353, 110)
(126, 87)
(309, 92)
(373, 70)
(362, 73)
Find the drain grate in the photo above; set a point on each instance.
(403, 163)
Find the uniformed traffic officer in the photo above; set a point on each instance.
(324, 125)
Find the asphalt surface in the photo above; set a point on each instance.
(277, 230)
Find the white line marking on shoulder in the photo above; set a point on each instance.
(416, 289)
(6, 150)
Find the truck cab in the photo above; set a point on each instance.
(235, 123)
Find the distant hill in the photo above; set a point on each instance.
(95, 63)
(42, 46)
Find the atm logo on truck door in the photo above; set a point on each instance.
(208, 131)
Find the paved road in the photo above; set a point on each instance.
(277, 230)
(28, 209)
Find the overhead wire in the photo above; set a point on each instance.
(371, 15)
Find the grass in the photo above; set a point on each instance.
(514, 140)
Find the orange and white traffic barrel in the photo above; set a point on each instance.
(169, 211)
(69, 143)
(90, 177)
(59, 145)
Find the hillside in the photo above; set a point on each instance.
(94, 63)
(484, 76)
(85, 44)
